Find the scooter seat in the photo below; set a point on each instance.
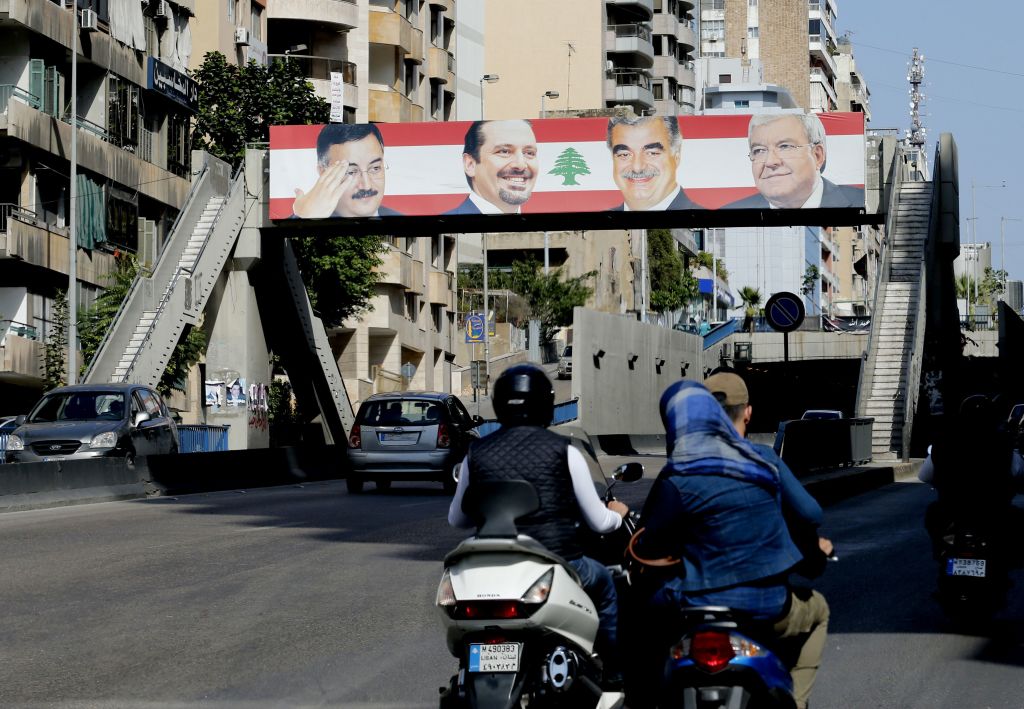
(520, 544)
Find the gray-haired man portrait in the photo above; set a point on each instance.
(646, 152)
(787, 156)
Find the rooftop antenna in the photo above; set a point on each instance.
(568, 73)
(917, 134)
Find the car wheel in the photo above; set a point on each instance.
(354, 484)
(383, 485)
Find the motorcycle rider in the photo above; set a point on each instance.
(717, 505)
(523, 449)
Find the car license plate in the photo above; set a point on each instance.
(398, 437)
(965, 567)
(51, 458)
(494, 657)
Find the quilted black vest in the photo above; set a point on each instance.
(538, 456)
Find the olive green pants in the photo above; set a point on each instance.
(807, 616)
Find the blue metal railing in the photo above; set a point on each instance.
(203, 439)
(721, 332)
(564, 412)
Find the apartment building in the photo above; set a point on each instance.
(397, 62)
(795, 41)
(133, 103)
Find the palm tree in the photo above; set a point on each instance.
(751, 298)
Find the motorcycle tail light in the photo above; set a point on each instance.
(355, 439)
(445, 592)
(540, 590)
(711, 649)
(443, 439)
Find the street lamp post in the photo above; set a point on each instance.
(547, 236)
(490, 79)
(974, 230)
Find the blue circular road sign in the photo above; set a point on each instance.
(784, 311)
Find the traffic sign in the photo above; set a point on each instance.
(474, 328)
(784, 312)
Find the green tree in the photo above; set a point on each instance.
(551, 298)
(339, 273)
(992, 285)
(238, 104)
(751, 298)
(665, 268)
(97, 320)
(568, 165)
(705, 259)
(55, 349)
(811, 278)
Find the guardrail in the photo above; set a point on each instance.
(721, 332)
(564, 412)
(202, 439)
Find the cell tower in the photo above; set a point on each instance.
(917, 134)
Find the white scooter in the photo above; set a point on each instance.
(516, 615)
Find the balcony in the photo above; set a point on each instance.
(439, 289)
(442, 5)
(685, 75)
(319, 69)
(632, 40)
(629, 87)
(388, 27)
(396, 269)
(665, 23)
(21, 355)
(451, 71)
(437, 64)
(30, 240)
(687, 36)
(819, 76)
(390, 106)
(336, 13)
(641, 6)
(415, 52)
(21, 121)
(821, 49)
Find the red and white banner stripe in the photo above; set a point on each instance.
(425, 173)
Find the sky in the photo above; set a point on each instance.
(974, 89)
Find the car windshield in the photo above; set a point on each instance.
(568, 351)
(403, 412)
(79, 406)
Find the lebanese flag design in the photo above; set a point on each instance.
(425, 172)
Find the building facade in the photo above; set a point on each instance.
(133, 103)
(397, 61)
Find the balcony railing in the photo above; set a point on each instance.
(631, 78)
(7, 91)
(451, 62)
(632, 30)
(8, 210)
(317, 67)
(24, 330)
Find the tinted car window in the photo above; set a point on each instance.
(567, 352)
(404, 412)
(78, 406)
(459, 413)
(152, 406)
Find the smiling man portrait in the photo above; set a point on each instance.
(500, 162)
(787, 156)
(351, 175)
(646, 152)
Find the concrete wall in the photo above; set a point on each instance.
(615, 397)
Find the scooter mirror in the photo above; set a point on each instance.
(455, 472)
(628, 472)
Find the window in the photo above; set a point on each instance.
(753, 32)
(436, 316)
(179, 152)
(257, 22)
(725, 78)
(123, 113)
(712, 30)
(741, 104)
(152, 36)
(658, 90)
(231, 10)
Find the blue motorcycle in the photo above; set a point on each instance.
(723, 662)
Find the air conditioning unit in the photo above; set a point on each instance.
(90, 21)
(161, 9)
(242, 36)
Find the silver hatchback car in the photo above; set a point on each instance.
(409, 435)
(94, 421)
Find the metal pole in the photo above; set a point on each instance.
(73, 223)
(643, 276)
(974, 243)
(542, 96)
(714, 277)
(481, 99)
(547, 263)
(487, 321)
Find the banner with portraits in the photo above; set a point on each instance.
(788, 159)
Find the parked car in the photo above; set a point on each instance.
(565, 363)
(409, 435)
(94, 421)
(822, 414)
(7, 426)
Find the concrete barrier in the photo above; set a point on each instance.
(36, 485)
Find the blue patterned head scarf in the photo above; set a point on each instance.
(702, 440)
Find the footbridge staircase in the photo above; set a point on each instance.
(891, 375)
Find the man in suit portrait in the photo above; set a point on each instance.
(646, 152)
(500, 161)
(787, 156)
(351, 171)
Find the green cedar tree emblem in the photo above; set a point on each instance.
(568, 165)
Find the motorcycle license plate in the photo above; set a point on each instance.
(494, 657)
(965, 567)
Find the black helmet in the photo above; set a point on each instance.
(524, 396)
